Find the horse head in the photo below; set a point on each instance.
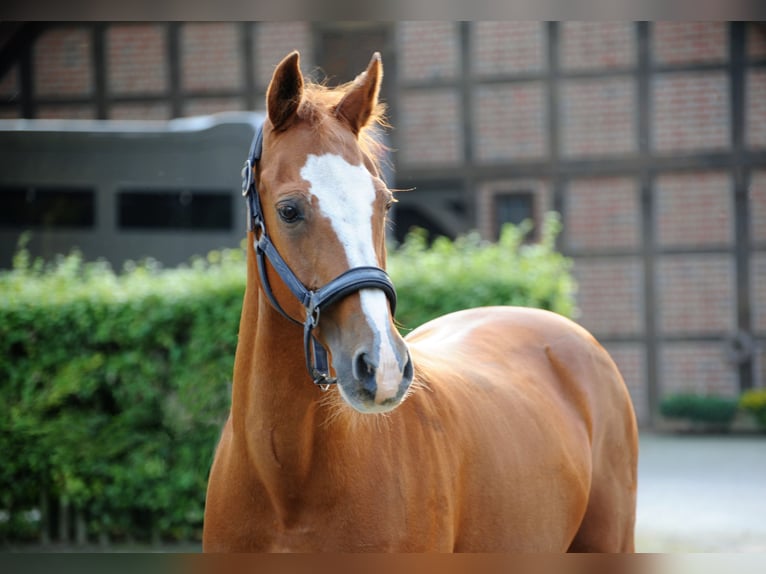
(324, 204)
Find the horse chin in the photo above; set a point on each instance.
(361, 401)
(369, 407)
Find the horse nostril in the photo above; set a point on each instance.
(364, 372)
(409, 370)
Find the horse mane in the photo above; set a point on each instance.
(316, 109)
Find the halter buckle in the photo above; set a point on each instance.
(312, 317)
(247, 177)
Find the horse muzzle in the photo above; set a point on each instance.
(375, 378)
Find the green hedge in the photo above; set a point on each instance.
(468, 272)
(115, 386)
(114, 389)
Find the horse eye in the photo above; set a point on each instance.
(289, 213)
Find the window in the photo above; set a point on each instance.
(184, 209)
(67, 208)
(513, 207)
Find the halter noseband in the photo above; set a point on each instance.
(313, 302)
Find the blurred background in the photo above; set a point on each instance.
(648, 138)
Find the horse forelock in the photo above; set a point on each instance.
(316, 110)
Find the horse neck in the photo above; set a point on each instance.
(274, 404)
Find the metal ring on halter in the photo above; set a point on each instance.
(247, 177)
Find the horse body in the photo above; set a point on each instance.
(515, 432)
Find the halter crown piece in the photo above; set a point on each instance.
(313, 302)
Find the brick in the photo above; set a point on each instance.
(757, 208)
(696, 294)
(689, 42)
(755, 108)
(211, 58)
(510, 122)
(756, 40)
(610, 295)
(597, 45)
(694, 209)
(696, 367)
(273, 41)
(205, 106)
(428, 50)
(691, 111)
(136, 58)
(9, 84)
(63, 62)
(598, 117)
(630, 360)
(759, 368)
(504, 48)
(758, 290)
(62, 111)
(429, 127)
(140, 111)
(602, 214)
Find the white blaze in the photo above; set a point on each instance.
(346, 194)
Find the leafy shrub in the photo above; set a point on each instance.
(754, 402)
(115, 386)
(468, 272)
(707, 409)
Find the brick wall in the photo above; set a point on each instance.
(63, 63)
(689, 42)
(755, 108)
(140, 111)
(205, 106)
(429, 127)
(598, 117)
(758, 285)
(602, 214)
(273, 41)
(505, 48)
(428, 50)
(756, 40)
(510, 122)
(9, 84)
(136, 60)
(694, 209)
(757, 209)
(629, 358)
(696, 294)
(610, 295)
(210, 56)
(597, 45)
(66, 111)
(698, 367)
(691, 112)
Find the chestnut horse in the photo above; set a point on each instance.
(492, 429)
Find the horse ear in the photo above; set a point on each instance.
(357, 105)
(285, 91)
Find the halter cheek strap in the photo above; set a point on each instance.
(313, 301)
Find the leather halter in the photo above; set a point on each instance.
(313, 301)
